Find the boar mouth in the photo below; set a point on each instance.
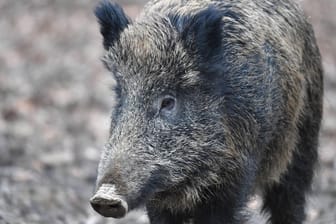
(110, 202)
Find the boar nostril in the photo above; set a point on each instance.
(109, 205)
(116, 208)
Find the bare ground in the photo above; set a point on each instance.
(55, 103)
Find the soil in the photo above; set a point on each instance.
(55, 103)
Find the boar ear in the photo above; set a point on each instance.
(202, 32)
(112, 20)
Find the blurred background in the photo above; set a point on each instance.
(55, 103)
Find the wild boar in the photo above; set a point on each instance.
(215, 99)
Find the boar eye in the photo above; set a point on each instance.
(167, 104)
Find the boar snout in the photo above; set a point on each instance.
(107, 203)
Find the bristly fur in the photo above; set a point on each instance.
(247, 81)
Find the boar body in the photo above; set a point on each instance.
(215, 100)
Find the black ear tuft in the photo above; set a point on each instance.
(201, 32)
(112, 20)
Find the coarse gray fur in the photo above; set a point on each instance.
(246, 80)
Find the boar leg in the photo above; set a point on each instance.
(286, 200)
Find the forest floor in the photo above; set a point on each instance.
(55, 103)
